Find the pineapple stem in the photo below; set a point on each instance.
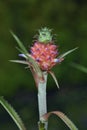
(42, 104)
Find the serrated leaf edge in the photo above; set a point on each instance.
(12, 113)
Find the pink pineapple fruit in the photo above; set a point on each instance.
(44, 51)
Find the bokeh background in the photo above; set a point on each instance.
(68, 19)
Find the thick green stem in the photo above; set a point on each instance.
(42, 103)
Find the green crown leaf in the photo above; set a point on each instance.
(45, 35)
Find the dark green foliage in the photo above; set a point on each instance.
(68, 19)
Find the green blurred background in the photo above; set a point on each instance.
(68, 19)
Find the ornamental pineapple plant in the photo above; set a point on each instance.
(40, 59)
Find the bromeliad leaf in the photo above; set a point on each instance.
(54, 77)
(62, 116)
(32, 62)
(36, 67)
(22, 47)
(79, 67)
(12, 113)
(20, 61)
(66, 53)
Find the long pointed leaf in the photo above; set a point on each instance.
(20, 61)
(12, 113)
(62, 116)
(79, 67)
(19, 43)
(29, 58)
(54, 77)
(66, 53)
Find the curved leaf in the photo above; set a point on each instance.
(19, 43)
(54, 77)
(66, 53)
(23, 50)
(12, 113)
(79, 67)
(62, 116)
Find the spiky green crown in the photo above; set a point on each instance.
(45, 35)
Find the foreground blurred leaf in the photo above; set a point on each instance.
(79, 67)
(65, 119)
(12, 113)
